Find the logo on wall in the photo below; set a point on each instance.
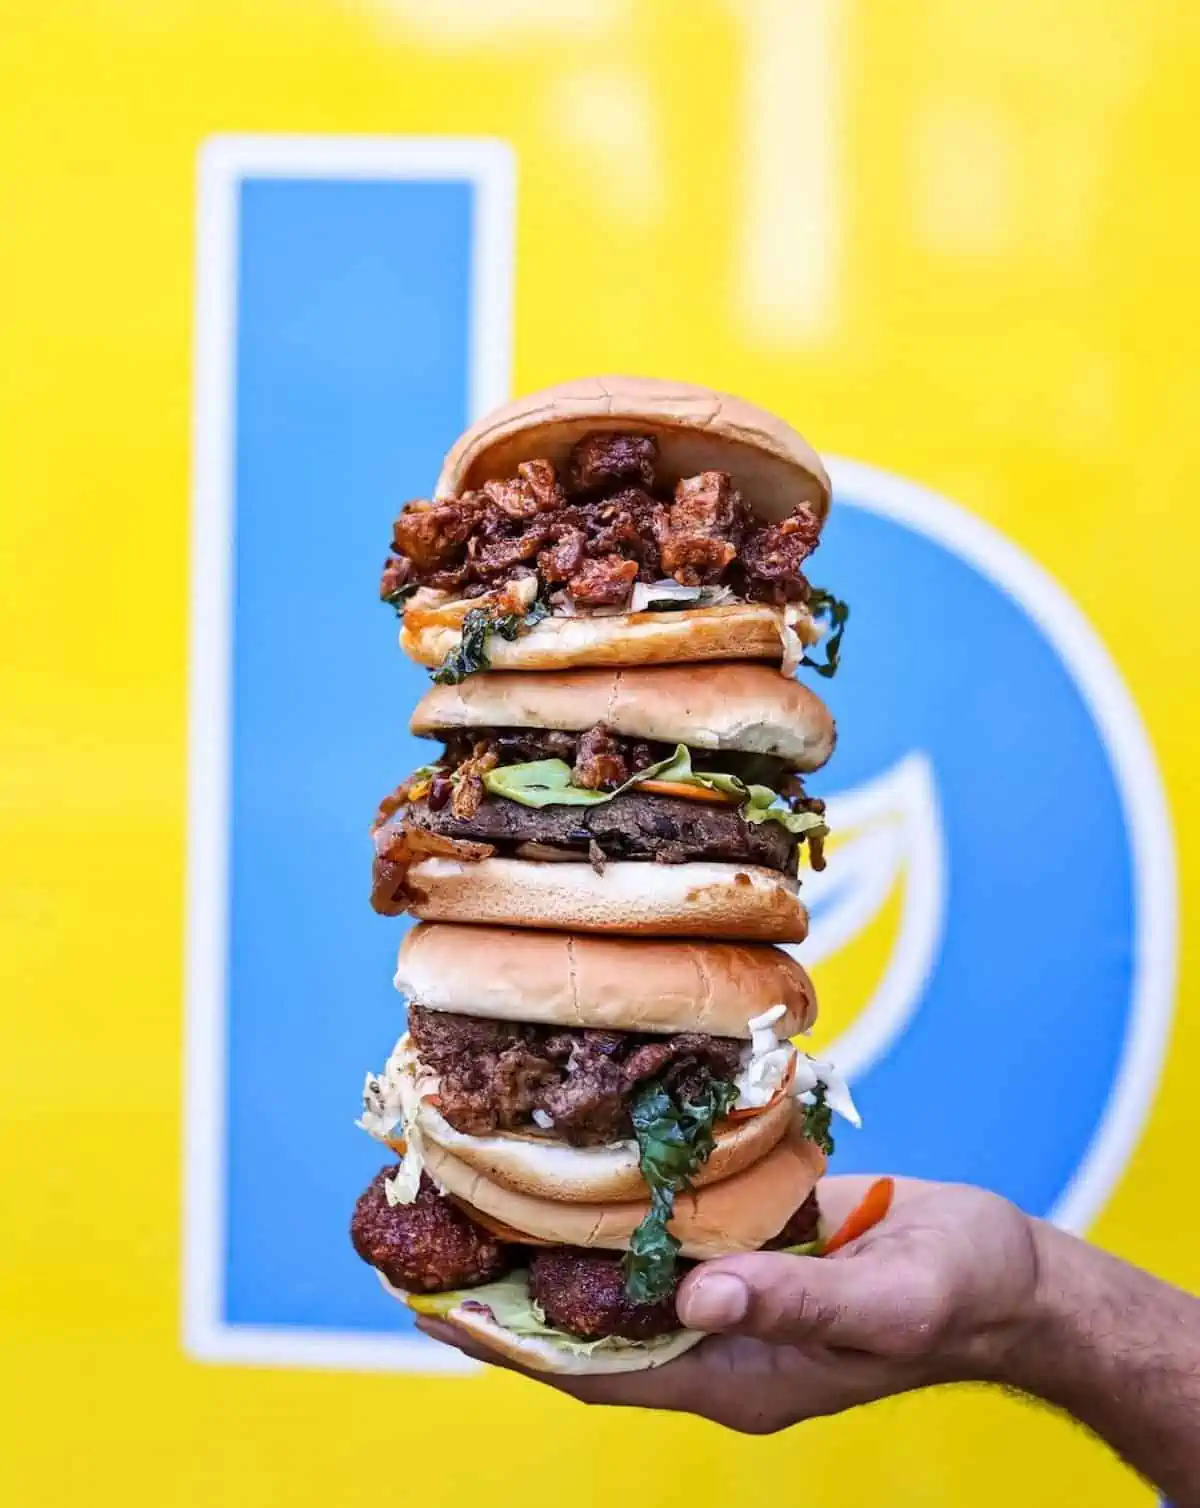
(994, 937)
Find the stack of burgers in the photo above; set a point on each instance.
(598, 1086)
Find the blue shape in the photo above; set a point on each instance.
(352, 376)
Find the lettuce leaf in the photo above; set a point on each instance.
(547, 782)
(541, 782)
(807, 1249)
(514, 1310)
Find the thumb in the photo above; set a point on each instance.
(854, 1301)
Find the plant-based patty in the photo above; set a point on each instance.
(801, 1228)
(494, 1075)
(427, 1246)
(668, 829)
(583, 1292)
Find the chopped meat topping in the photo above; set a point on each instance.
(397, 573)
(432, 535)
(772, 557)
(598, 763)
(628, 522)
(605, 582)
(564, 557)
(603, 459)
(494, 1074)
(468, 781)
(610, 523)
(703, 528)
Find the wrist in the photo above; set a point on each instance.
(1037, 1345)
(999, 1347)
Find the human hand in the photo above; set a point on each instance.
(935, 1293)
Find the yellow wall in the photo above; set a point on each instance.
(994, 293)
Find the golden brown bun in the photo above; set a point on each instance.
(742, 707)
(551, 1169)
(698, 430)
(540, 1355)
(735, 631)
(698, 899)
(741, 1213)
(610, 983)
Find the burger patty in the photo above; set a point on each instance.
(495, 1074)
(583, 1292)
(801, 1227)
(427, 1246)
(667, 829)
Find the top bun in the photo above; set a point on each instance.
(697, 429)
(612, 983)
(746, 707)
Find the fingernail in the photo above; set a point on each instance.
(714, 1301)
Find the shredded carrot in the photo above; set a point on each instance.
(785, 1085)
(687, 792)
(397, 1144)
(870, 1210)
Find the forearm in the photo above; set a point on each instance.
(1118, 1350)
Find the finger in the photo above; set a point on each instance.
(860, 1302)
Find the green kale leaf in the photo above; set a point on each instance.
(823, 604)
(817, 1119)
(399, 597)
(471, 653)
(675, 1138)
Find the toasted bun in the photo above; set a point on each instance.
(735, 631)
(773, 467)
(540, 1355)
(743, 707)
(698, 899)
(741, 1213)
(611, 983)
(551, 1169)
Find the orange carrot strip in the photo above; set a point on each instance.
(687, 792)
(867, 1213)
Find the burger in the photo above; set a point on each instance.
(616, 521)
(578, 1121)
(641, 801)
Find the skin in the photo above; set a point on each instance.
(956, 1285)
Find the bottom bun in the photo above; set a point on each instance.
(552, 1351)
(698, 899)
(538, 1355)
